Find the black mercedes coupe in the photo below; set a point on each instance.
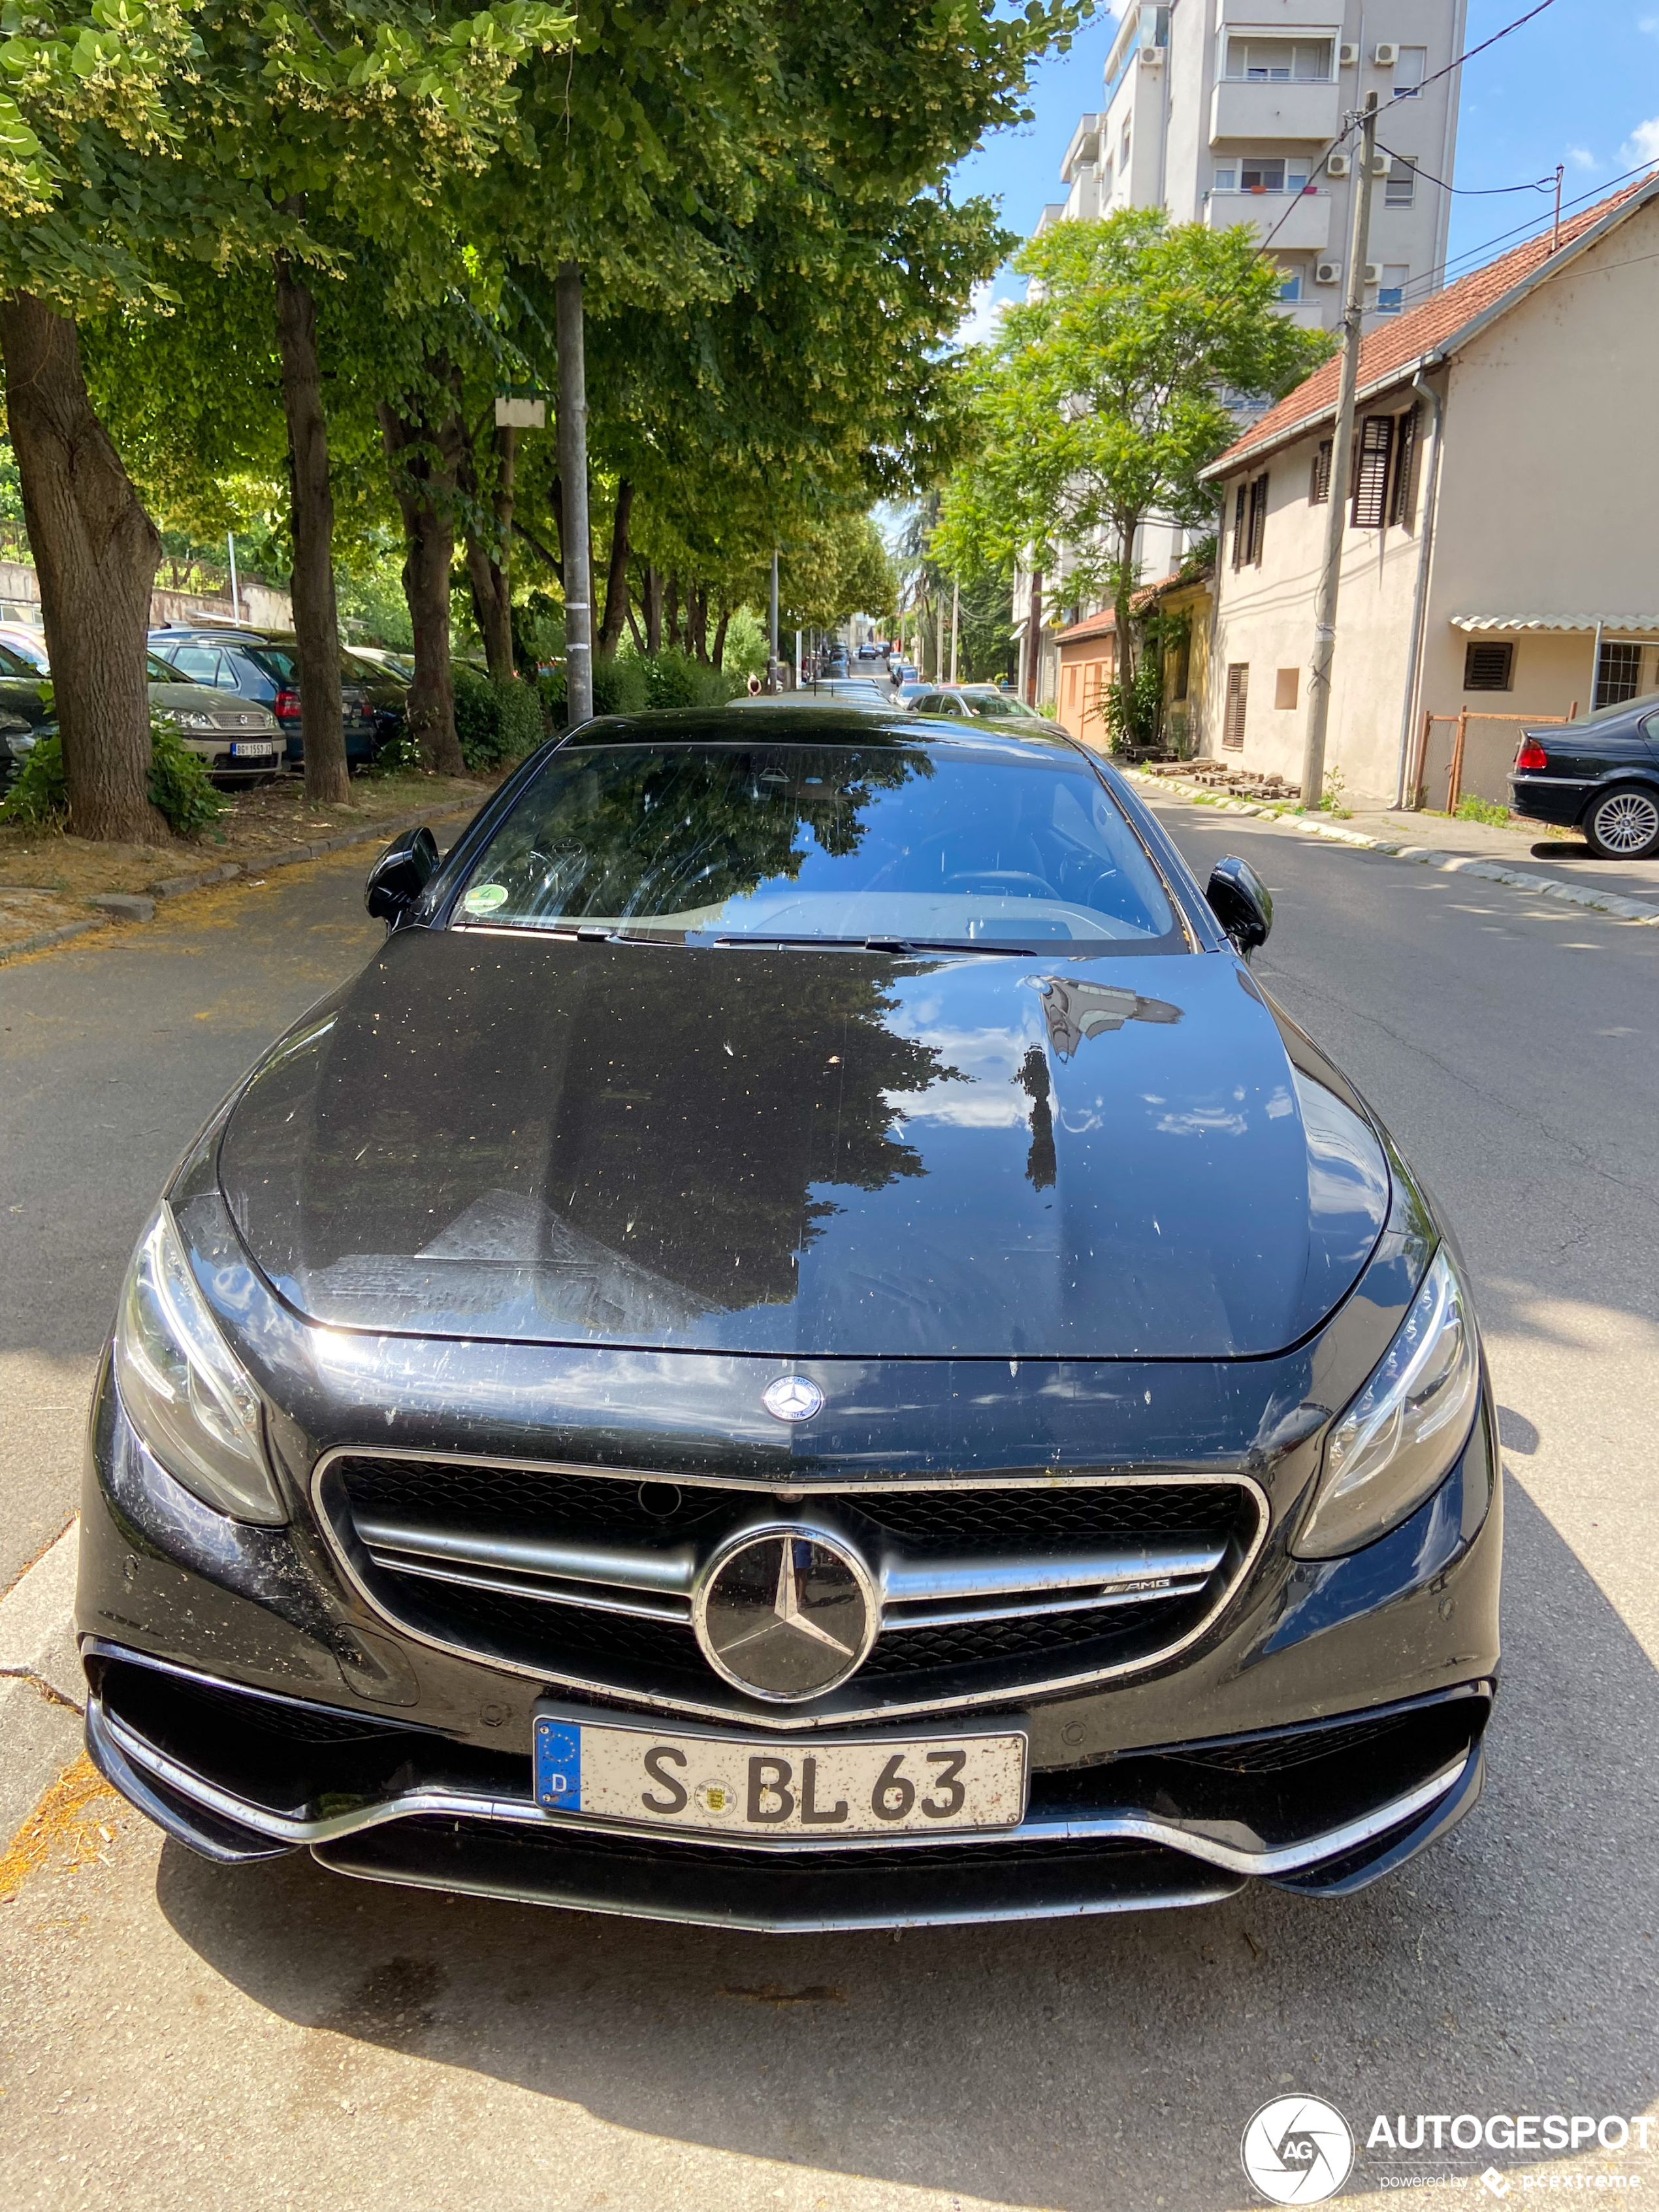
(804, 1348)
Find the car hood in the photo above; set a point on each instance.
(227, 707)
(498, 1134)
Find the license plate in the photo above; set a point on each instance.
(248, 751)
(735, 1786)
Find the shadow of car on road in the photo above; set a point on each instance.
(1075, 2062)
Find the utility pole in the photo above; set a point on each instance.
(572, 484)
(772, 684)
(955, 623)
(235, 596)
(1330, 574)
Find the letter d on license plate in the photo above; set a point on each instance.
(738, 1785)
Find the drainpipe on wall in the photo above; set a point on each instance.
(1408, 718)
(1596, 662)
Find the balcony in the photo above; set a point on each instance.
(1262, 111)
(1303, 218)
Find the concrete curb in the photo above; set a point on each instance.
(42, 1689)
(176, 886)
(1427, 856)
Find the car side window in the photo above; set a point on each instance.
(197, 664)
(13, 664)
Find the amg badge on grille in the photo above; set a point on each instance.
(786, 1613)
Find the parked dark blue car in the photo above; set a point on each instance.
(1599, 776)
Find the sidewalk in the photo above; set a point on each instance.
(1527, 859)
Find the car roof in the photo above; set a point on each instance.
(770, 721)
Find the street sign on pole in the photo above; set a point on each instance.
(1330, 574)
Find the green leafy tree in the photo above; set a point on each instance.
(1103, 395)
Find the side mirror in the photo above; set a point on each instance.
(1241, 901)
(400, 875)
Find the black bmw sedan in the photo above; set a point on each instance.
(804, 1348)
(1599, 776)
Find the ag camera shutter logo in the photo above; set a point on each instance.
(1298, 2150)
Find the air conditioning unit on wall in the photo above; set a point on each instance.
(1346, 56)
(1328, 272)
(1373, 272)
(1336, 165)
(1379, 165)
(1386, 55)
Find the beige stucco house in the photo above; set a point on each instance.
(1498, 552)
(1087, 662)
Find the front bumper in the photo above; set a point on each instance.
(1324, 1809)
(1328, 1727)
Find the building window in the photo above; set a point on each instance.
(1391, 292)
(1488, 666)
(1285, 686)
(1371, 478)
(1400, 190)
(1279, 61)
(1258, 521)
(1618, 674)
(1123, 150)
(1319, 479)
(1241, 524)
(1402, 496)
(1410, 68)
(1290, 284)
(1238, 688)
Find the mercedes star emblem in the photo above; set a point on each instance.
(793, 1398)
(786, 1613)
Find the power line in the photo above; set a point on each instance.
(1469, 191)
(1473, 255)
(1467, 56)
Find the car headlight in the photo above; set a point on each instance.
(185, 720)
(1397, 1441)
(183, 1389)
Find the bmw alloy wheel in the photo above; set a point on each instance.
(1624, 825)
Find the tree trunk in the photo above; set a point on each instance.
(96, 552)
(616, 582)
(696, 622)
(671, 613)
(720, 638)
(311, 508)
(653, 608)
(489, 556)
(425, 463)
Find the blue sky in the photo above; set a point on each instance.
(1579, 86)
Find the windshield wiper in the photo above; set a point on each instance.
(907, 947)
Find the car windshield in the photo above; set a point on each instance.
(13, 664)
(157, 671)
(994, 847)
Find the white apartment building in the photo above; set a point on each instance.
(1220, 111)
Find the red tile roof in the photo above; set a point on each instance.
(1103, 624)
(1434, 326)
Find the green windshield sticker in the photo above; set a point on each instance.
(485, 898)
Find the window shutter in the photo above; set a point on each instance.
(1371, 485)
(1258, 521)
(1319, 486)
(1238, 686)
(1402, 500)
(1240, 527)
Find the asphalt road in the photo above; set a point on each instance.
(179, 2034)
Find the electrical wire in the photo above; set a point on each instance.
(1430, 279)
(1468, 55)
(1469, 191)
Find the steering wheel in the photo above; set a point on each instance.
(1019, 881)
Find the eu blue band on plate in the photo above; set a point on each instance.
(558, 1766)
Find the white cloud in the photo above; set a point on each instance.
(1642, 144)
(1582, 158)
(1650, 24)
(984, 313)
